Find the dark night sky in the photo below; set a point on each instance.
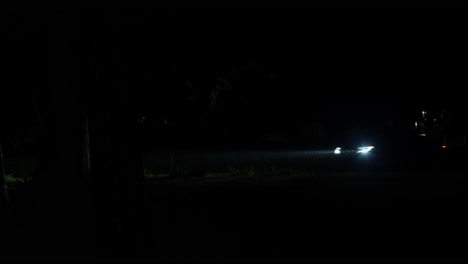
(325, 61)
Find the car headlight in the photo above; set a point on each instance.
(365, 149)
(337, 150)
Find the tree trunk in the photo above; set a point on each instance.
(4, 198)
(116, 174)
(90, 165)
(62, 219)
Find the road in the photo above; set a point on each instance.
(313, 216)
(356, 207)
(209, 161)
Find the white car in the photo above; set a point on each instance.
(363, 150)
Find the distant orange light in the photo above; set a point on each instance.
(444, 147)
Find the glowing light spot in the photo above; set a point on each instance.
(337, 150)
(365, 149)
(444, 147)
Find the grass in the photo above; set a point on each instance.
(160, 185)
(181, 209)
(19, 172)
(366, 188)
(263, 177)
(10, 179)
(181, 183)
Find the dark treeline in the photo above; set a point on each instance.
(177, 79)
(88, 91)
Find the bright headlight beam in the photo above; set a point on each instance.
(365, 149)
